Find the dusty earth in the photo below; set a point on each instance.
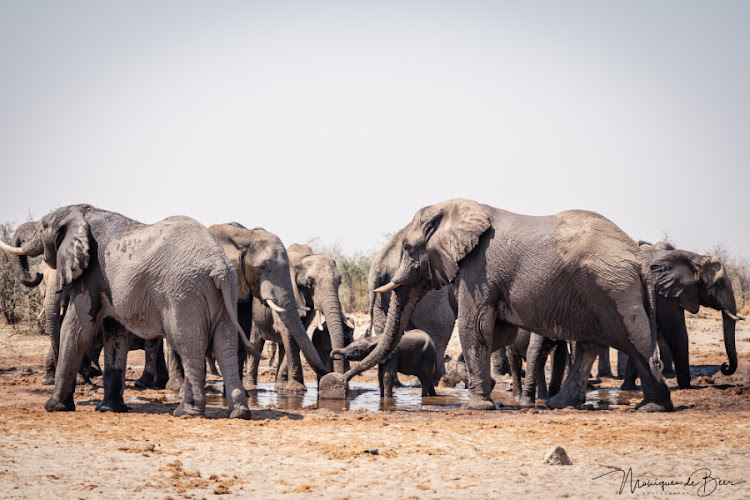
(702, 449)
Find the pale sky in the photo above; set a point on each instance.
(339, 120)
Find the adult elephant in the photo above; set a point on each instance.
(684, 281)
(434, 314)
(267, 296)
(130, 277)
(570, 276)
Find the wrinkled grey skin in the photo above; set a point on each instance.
(685, 281)
(321, 339)
(126, 277)
(435, 313)
(534, 349)
(317, 280)
(415, 355)
(570, 276)
(55, 303)
(262, 265)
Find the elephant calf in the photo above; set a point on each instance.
(415, 355)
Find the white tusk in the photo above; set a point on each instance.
(40, 314)
(733, 316)
(11, 250)
(273, 306)
(387, 288)
(348, 322)
(302, 308)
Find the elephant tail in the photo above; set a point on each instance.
(649, 304)
(230, 303)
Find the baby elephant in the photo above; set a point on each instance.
(415, 355)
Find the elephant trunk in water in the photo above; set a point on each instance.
(403, 301)
(729, 326)
(331, 307)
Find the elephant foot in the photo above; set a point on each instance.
(479, 403)
(146, 380)
(604, 373)
(684, 386)
(294, 386)
(526, 400)
(95, 371)
(53, 404)
(189, 410)
(242, 413)
(160, 383)
(628, 386)
(653, 406)
(49, 380)
(175, 384)
(115, 406)
(559, 401)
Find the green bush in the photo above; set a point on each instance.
(20, 307)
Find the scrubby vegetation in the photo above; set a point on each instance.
(19, 306)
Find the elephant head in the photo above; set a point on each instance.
(263, 272)
(356, 351)
(317, 280)
(62, 236)
(698, 280)
(434, 244)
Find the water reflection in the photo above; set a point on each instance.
(366, 396)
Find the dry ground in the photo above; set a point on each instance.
(319, 453)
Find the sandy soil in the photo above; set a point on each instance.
(318, 453)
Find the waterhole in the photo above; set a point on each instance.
(366, 396)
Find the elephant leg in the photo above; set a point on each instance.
(77, 333)
(560, 360)
(631, 374)
(500, 364)
(514, 361)
(176, 372)
(162, 373)
(254, 362)
(150, 349)
(672, 323)
(192, 394)
(116, 346)
(604, 368)
(622, 362)
(49, 368)
(477, 336)
(665, 354)
(281, 370)
(541, 381)
(573, 390)
(389, 370)
(535, 359)
(211, 363)
(224, 345)
(295, 380)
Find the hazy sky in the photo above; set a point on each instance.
(339, 120)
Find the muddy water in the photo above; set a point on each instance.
(367, 396)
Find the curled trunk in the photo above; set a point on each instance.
(20, 264)
(729, 327)
(403, 301)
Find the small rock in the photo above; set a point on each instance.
(558, 457)
(333, 386)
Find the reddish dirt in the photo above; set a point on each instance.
(318, 453)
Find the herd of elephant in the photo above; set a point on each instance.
(534, 284)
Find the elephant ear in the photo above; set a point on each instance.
(66, 246)
(296, 252)
(711, 270)
(451, 229)
(676, 275)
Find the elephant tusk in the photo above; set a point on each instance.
(40, 314)
(302, 308)
(321, 320)
(387, 288)
(733, 316)
(348, 322)
(11, 250)
(273, 306)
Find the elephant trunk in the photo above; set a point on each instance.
(729, 327)
(20, 264)
(331, 307)
(53, 319)
(403, 301)
(24, 239)
(291, 325)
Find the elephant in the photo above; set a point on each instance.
(535, 349)
(573, 276)
(321, 339)
(434, 314)
(415, 355)
(55, 304)
(316, 281)
(169, 279)
(684, 281)
(267, 298)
